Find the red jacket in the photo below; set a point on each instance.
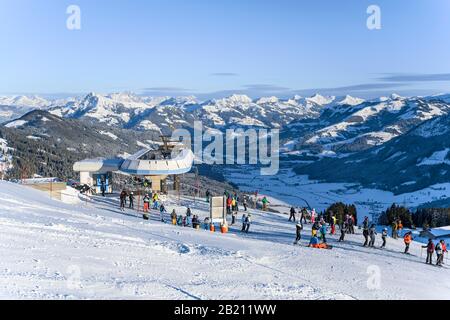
(407, 238)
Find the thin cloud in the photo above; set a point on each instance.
(416, 77)
(224, 74)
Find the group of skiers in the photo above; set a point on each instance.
(440, 248)
(320, 228)
(188, 220)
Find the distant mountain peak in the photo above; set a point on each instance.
(351, 101)
(321, 100)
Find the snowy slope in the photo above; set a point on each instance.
(54, 250)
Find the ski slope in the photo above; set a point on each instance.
(52, 250)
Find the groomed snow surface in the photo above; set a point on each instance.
(52, 250)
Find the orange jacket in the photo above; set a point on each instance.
(407, 238)
(444, 247)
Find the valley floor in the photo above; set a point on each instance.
(52, 250)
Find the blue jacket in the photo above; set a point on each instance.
(313, 241)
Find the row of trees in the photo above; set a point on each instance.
(425, 218)
(340, 209)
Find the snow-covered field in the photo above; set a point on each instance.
(52, 250)
(291, 189)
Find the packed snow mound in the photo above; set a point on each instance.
(52, 250)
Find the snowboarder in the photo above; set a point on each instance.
(407, 239)
(366, 231)
(123, 197)
(372, 234)
(299, 228)
(248, 222)
(430, 251)
(384, 234)
(131, 200)
(292, 214)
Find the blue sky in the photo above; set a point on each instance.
(214, 48)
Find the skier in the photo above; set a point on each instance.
(233, 217)
(188, 221)
(208, 194)
(244, 203)
(430, 251)
(162, 210)
(444, 250)
(299, 228)
(313, 216)
(315, 228)
(399, 228)
(248, 222)
(303, 215)
(323, 232)
(147, 202)
(244, 219)
(315, 243)
(333, 224)
(394, 230)
(195, 222)
(103, 188)
(372, 234)
(343, 227)
(439, 253)
(292, 214)
(265, 203)
(123, 197)
(366, 231)
(383, 237)
(188, 212)
(131, 198)
(229, 204)
(351, 224)
(180, 220)
(233, 205)
(173, 217)
(407, 239)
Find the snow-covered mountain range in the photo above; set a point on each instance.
(319, 134)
